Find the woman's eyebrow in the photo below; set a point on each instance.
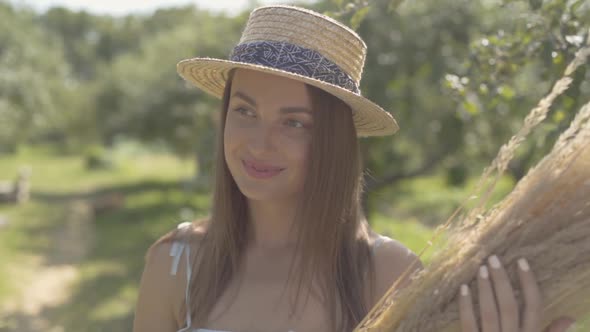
(295, 110)
(248, 99)
(285, 110)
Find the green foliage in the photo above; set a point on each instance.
(105, 77)
(357, 18)
(144, 97)
(97, 158)
(32, 79)
(457, 75)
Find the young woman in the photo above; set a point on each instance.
(287, 247)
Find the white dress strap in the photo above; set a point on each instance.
(176, 251)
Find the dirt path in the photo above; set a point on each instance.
(51, 276)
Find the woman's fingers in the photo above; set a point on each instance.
(468, 321)
(490, 319)
(497, 305)
(562, 324)
(508, 307)
(532, 298)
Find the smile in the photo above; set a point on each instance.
(259, 171)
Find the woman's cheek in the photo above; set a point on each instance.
(235, 131)
(298, 148)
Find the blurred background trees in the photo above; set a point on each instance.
(458, 75)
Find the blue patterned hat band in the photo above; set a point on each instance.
(294, 59)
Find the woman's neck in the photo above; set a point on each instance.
(271, 225)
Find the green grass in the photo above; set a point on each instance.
(104, 295)
(22, 244)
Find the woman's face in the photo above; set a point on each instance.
(267, 134)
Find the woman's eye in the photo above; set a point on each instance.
(295, 124)
(244, 111)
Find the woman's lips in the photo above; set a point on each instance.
(261, 171)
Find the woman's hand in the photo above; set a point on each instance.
(498, 307)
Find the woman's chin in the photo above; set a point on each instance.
(260, 195)
(258, 192)
(275, 189)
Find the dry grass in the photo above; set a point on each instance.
(545, 219)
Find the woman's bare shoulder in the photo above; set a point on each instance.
(392, 258)
(162, 292)
(160, 256)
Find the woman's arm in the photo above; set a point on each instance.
(157, 291)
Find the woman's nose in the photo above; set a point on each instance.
(261, 139)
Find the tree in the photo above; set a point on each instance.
(32, 79)
(458, 75)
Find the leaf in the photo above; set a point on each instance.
(535, 4)
(558, 116)
(357, 18)
(506, 92)
(470, 107)
(393, 4)
(338, 3)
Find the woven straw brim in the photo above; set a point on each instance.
(210, 75)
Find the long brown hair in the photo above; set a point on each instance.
(332, 245)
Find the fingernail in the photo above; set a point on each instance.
(464, 290)
(483, 271)
(522, 263)
(572, 328)
(494, 261)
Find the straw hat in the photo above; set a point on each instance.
(302, 45)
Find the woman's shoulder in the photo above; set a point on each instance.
(188, 232)
(392, 258)
(165, 271)
(388, 245)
